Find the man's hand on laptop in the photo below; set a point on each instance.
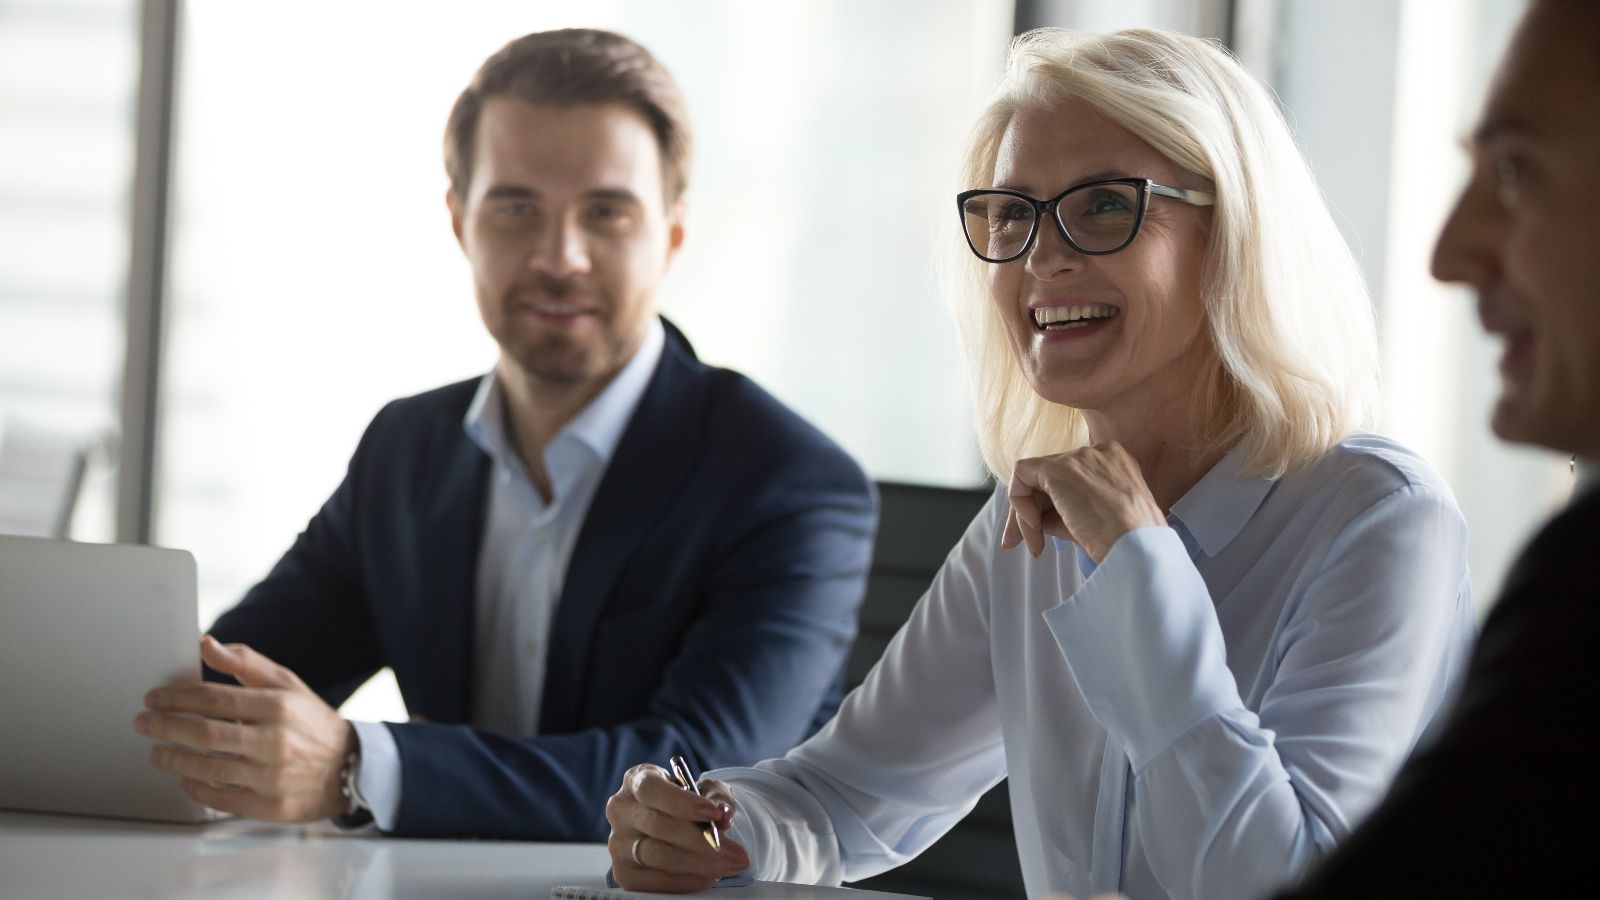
(267, 748)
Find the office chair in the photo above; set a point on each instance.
(917, 527)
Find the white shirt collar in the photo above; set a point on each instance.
(599, 426)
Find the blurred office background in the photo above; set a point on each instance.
(223, 242)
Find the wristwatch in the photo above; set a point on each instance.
(356, 814)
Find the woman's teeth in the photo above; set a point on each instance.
(1060, 318)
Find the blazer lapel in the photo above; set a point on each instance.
(645, 473)
(448, 540)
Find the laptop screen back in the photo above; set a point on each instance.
(85, 631)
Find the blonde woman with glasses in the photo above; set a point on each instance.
(1205, 616)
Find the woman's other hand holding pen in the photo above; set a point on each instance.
(657, 843)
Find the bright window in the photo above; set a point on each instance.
(68, 72)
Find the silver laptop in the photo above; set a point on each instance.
(85, 631)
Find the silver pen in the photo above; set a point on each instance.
(687, 780)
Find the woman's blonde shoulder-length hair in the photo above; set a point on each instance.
(1296, 368)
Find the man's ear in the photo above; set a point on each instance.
(677, 216)
(458, 210)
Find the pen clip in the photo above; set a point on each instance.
(680, 772)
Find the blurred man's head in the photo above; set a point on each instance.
(1524, 233)
(568, 158)
(575, 67)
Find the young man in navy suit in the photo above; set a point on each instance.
(600, 552)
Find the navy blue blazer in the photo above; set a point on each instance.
(708, 607)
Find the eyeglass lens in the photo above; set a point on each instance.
(1099, 217)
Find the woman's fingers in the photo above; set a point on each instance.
(1010, 536)
(652, 806)
(660, 856)
(720, 796)
(638, 864)
(657, 839)
(1090, 496)
(1055, 526)
(1031, 511)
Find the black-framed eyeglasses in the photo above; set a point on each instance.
(1095, 218)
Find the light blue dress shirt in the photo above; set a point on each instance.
(1202, 715)
(522, 565)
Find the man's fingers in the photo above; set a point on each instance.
(219, 701)
(233, 771)
(251, 668)
(269, 737)
(194, 732)
(235, 801)
(258, 744)
(226, 799)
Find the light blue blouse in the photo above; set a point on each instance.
(1203, 715)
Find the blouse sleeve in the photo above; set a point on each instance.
(909, 753)
(1231, 802)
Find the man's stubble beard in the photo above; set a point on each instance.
(553, 358)
(558, 361)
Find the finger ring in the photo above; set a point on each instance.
(634, 852)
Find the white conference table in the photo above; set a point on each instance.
(69, 857)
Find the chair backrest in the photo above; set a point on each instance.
(41, 472)
(917, 527)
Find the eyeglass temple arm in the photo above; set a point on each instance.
(1194, 198)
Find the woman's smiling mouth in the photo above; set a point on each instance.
(1062, 318)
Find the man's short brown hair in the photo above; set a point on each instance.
(568, 67)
